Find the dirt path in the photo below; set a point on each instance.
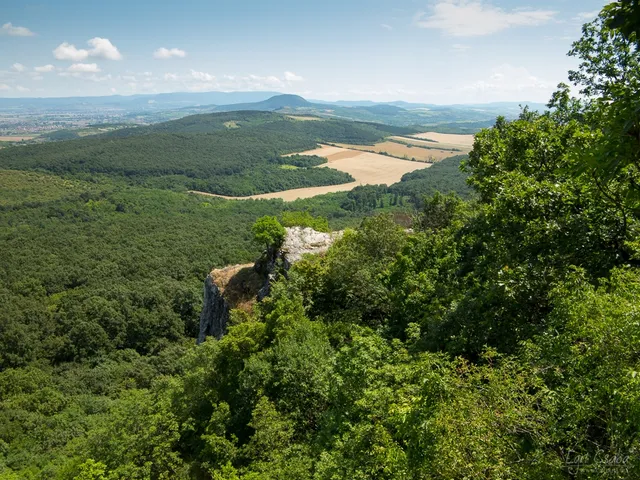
(367, 169)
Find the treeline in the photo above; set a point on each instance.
(302, 161)
(445, 176)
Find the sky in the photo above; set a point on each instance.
(435, 51)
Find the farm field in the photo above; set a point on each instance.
(405, 151)
(445, 140)
(16, 138)
(367, 169)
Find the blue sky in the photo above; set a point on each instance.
(437, 51)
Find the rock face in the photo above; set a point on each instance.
(306, 240)
(215, 312)
(239, 286)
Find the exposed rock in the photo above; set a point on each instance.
(215, 312)
(306, 240)
(240, 286)
(233, 287)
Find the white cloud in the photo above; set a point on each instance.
(258, 82)
(165, 53)
(45, 68)
(9, 29)
(18, 67)
(507, 79)
(113, 90)
(386, 27)
(37, 77)
(205, 77)
(4, 86)
(103, 48)
(586, 16)
(84, 68)
(202, 81)
(20, 88)
(467, 18)
(66, 51)
(292, 77)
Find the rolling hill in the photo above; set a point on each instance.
(231, 153)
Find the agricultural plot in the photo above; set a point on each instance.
(404, 151)
(445, 140)
(367, 169)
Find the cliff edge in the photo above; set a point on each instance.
(240, 286)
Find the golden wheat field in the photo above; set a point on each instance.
(447, 140)
(405, 151)
(367, 169)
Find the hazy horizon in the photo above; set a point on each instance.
(270, 94)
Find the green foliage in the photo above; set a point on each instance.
(201, 153)
(497, 339)
(268, 231)
(302, 161)
(304, 219)
(444, 176)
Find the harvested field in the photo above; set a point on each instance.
(366, 168)
(325, 151)
(404, 151)
(447, 140)
(16, 138)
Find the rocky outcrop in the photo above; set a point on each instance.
(240, 286)
(300, 241)
(233, 287)
(215, 312)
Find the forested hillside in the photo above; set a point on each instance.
(499, 338)
(235, 154)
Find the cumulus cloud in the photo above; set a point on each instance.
(468, 18)
(20, 88)
(66, 51)
(165, 53)
(292, 77)
(102, 48)
(84, 68)
(14, 31)
(45, 68)
(386, 27)
(18, 67)
(4, 86)
(171, 77)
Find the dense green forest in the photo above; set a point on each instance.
(498, 339)
(236, 154)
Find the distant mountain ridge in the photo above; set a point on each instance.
(151, 109)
